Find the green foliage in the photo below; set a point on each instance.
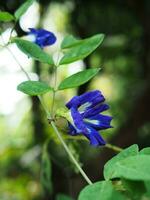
(46, 171)
(132, 168)
(6, 16)
(145, 151)
(70, 41)
(82, 50)
(34, 51)
(78, 79)
(23, 8)
(33, 88)
(63, 197)
(101, 190)
(110, 166)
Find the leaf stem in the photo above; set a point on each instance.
(113, 147)
(70, 154)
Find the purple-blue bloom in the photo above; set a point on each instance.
(86, 118)
(42, 37)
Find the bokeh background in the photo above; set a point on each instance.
(124, 79)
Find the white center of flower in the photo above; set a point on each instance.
(92, 121)
(84, 106)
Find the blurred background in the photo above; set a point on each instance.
(124, 79)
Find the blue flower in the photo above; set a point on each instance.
(85, 117)
(42, 37)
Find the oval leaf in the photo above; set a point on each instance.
(82, 50)
(111, 164)
(23, 8)
(132, 168)
(101, 190)
(78, 79)
(6, 16)
(33, 50)
(69, 41)
(33, 88)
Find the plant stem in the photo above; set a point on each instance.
(28, 77)
(70, 154)
(53, 124)
(113, 147)
(54, 91)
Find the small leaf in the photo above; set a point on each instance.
(63, 197)
(6, 16)
(33, 50)
(69, 41)
(111, 164)
(82, 50)
(46, 171)
(132, 168)
(23, 8)
(101, 190)
(78, 79)
(33, 88)
(145, 151)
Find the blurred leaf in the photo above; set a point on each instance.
(33, 50)
(69, 41)
(46, 171)
(33, 88)
(101, 190)
(132, 168)
(82, 50)
(145, 151)
(78, 79)
(63, 197)
(6, 16)
(23, 8)
(111, 164)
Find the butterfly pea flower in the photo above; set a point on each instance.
(42, 37)
(86, 118)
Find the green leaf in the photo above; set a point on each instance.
(78, 79)
(145, 151)
(63, 197)
(111, 164)
(69, 41)
(46, 171)
(101, 190)
(33, 50)
(33, 88)
(23, 8)
(82, 50)
(6, 16)
(132, 168)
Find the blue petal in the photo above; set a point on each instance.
(95, 110)
(93, 98)
(99, 122)
(74, 102)
(72, 130)
(94, 137)
(78, 120)
(43, 37)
